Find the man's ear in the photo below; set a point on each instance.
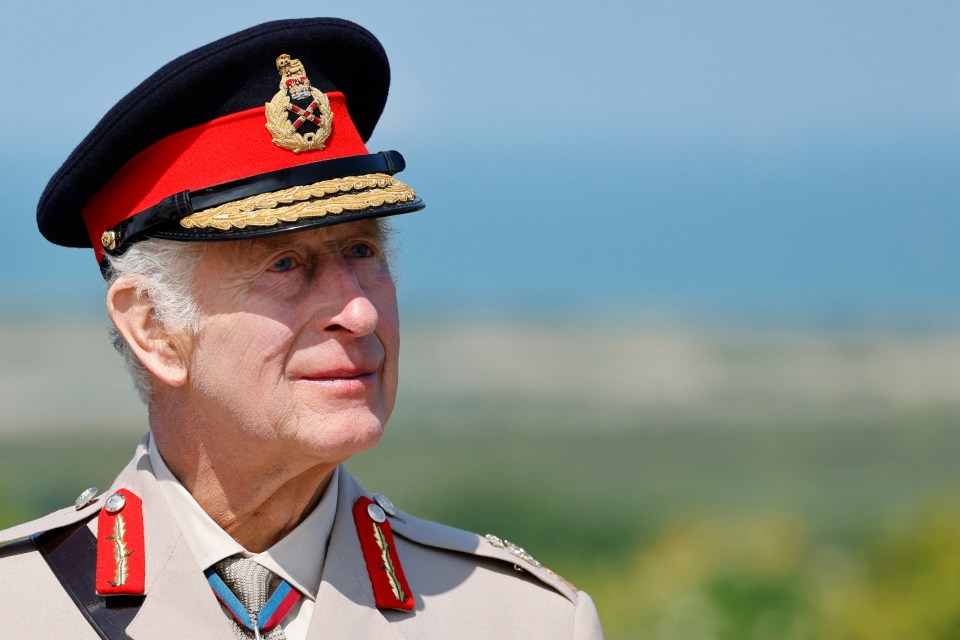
(163, 354)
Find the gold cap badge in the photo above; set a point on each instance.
(298, 116)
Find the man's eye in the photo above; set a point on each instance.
(361, 250)
(283, 264)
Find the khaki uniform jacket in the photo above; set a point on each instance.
(464, 587)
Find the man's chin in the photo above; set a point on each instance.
(340, 439)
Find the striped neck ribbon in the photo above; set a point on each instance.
(273, 612)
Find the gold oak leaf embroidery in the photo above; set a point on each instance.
(387, 564)
(120, 551)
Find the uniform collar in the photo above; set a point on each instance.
(298, 558)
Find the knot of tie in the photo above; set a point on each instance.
(250, 581)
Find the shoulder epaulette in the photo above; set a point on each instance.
(442, 536)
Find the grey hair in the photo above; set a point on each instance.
(164, 270)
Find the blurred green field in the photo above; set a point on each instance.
(738, 484)
(835, 531)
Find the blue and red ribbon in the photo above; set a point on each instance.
(272, 613)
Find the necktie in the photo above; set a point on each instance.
(242, 586)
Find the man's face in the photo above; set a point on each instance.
(299, 340)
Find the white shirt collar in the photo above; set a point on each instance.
(297, 558)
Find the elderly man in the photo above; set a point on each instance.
(237, 216)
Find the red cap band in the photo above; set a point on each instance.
(228, 148)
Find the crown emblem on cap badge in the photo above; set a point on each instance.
(299, 115)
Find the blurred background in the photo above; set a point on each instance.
(682, 317)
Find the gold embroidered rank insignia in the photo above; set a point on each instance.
(299, 115)
(522, 553)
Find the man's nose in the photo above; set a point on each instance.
(345, 305)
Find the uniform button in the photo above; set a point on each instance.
(85, 498)
(114, 503)
(385, 504)
(376, 513)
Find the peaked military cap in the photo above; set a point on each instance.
(261, 132)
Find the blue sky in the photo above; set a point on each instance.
(759, 158)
